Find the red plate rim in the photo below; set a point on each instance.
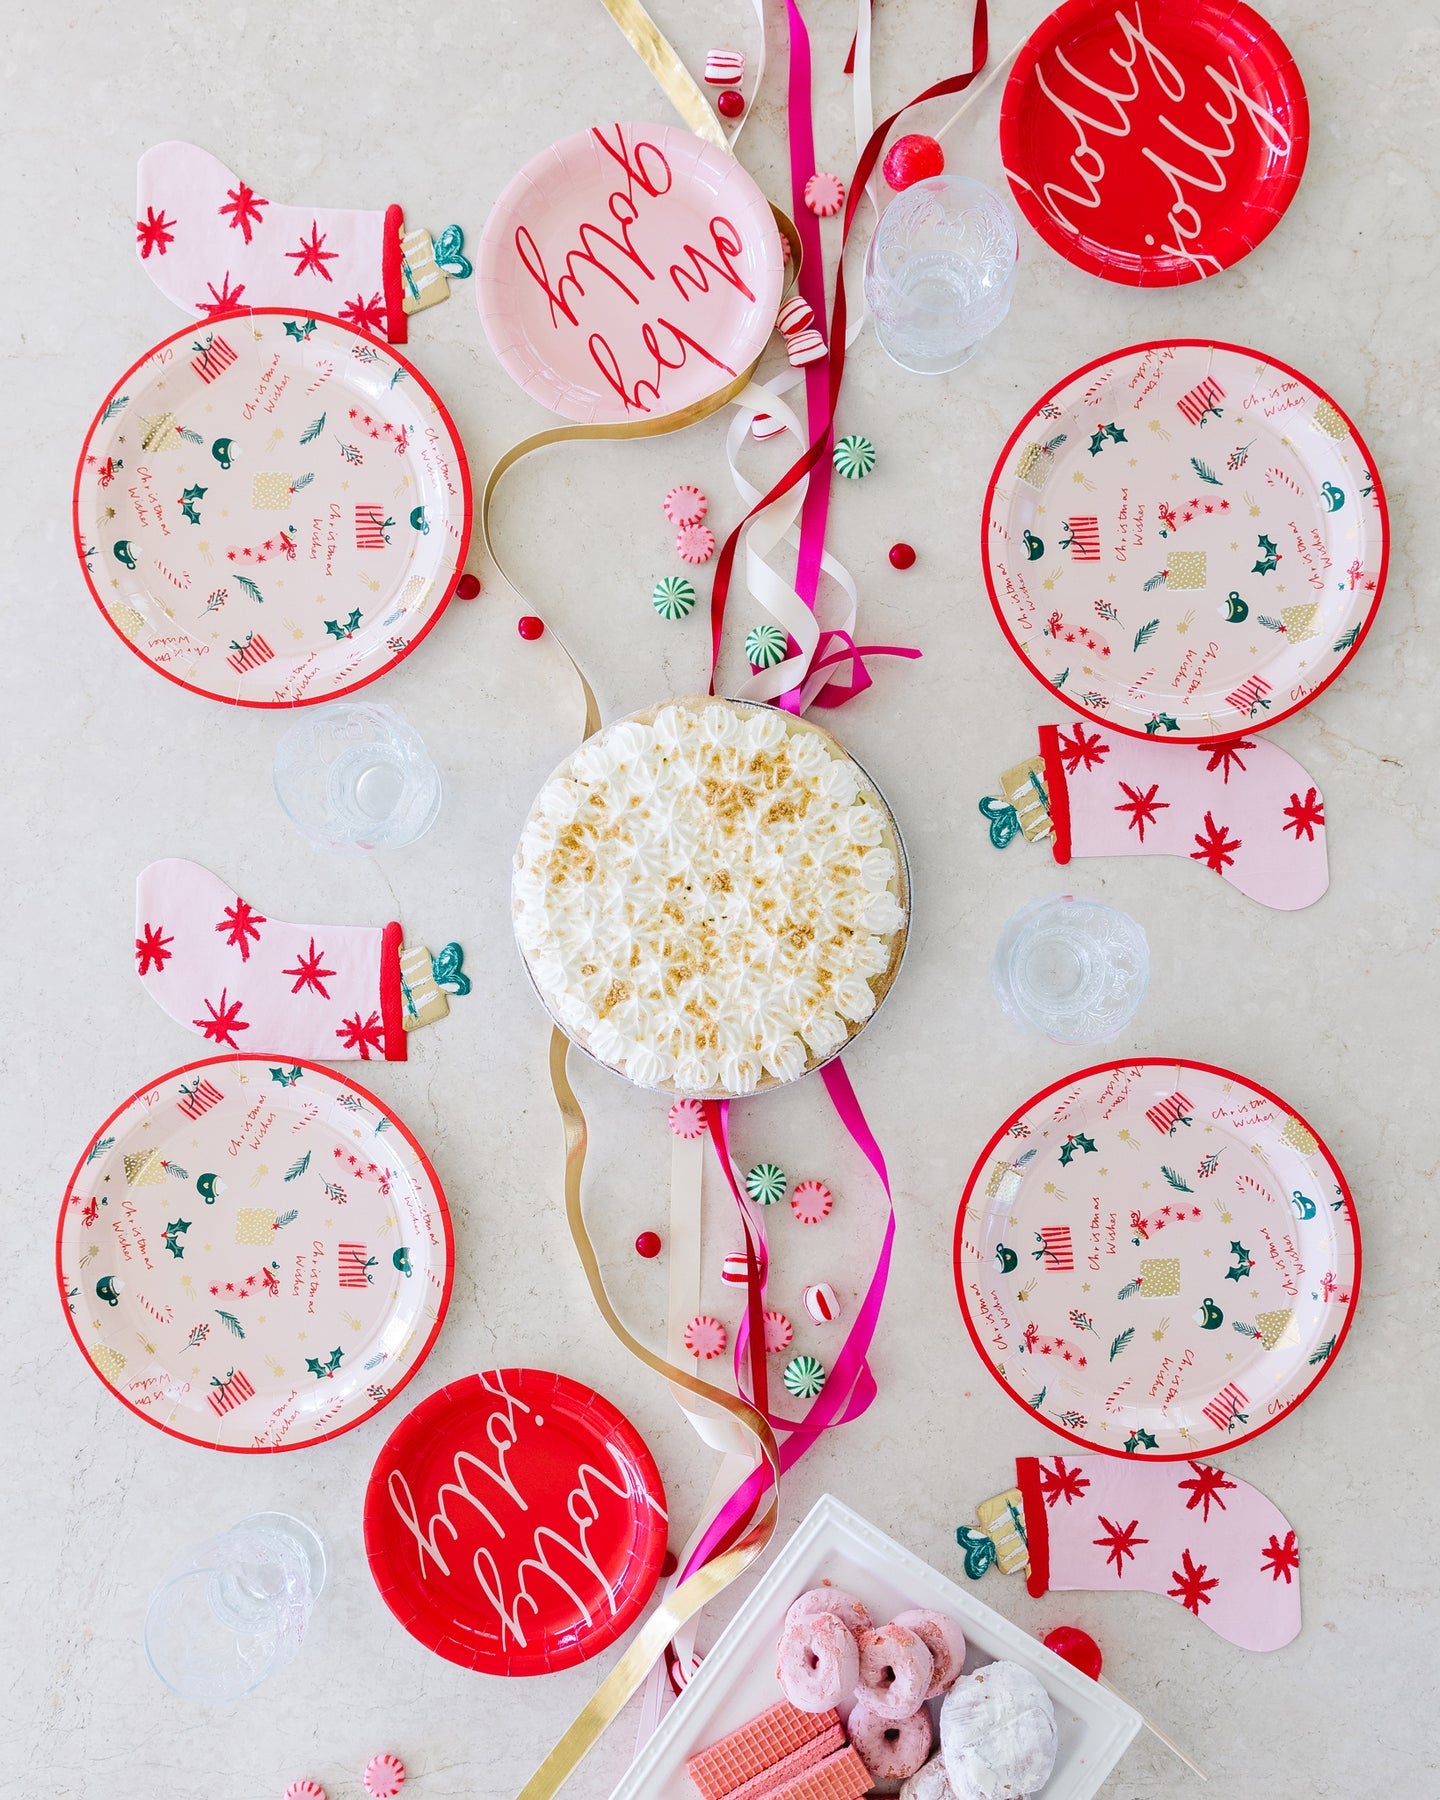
(539, 1661)
(1181, 344)
(398, 1124)
(1228, 245)
(285, 312)
(1148, 1062)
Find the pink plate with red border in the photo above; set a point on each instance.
(515, 1522)
(1157, 1258)
(254, 1253)
(628, 273)
(1155, 142)
(272, 508)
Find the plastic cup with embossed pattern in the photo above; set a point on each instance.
(236, 1609)
(940, 272)
(1074, 970)
(356, 776)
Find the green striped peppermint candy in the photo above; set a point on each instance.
(766, 1184)
(672, 597)
(804, 1376)
(853, 457)
(765, 646)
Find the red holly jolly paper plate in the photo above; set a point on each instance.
(254, 1254)
(1157, 1258)
(1185, 539)
(628, 273)
(1156, 142)
(515, 1522)
(271, 508)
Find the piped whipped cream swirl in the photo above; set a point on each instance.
(708, 899)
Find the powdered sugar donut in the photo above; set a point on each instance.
(817, 1662)
(891, 1749)
(997, 1733)
(943, 1638)
(930, 1783)
(830, 1599)
(895, 1671)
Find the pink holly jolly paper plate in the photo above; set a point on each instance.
(271, 508)
(1185, 539)
(629, 272)
(1157, 1258)
(254, 1254)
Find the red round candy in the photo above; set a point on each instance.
(467, 587)
(1076, 1647)
(669, 1564)
(902, 556)
(648, 1244)
(731, 103)
(911, 159)
(531, 628)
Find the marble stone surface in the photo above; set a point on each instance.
(108, 767)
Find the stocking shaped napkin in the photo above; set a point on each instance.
(1187, 1530)
(245, 981)
(210, 242)
(1241, 808)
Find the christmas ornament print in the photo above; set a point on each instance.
(673, 597)
(804, 1376)
(1184, 1292)
(854, 457)
(1173, 198)
(766, 1184)
(275, 1314)
(1161, 545)
(233, 508)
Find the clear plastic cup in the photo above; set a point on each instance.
(235, 1610)
(1073, 970)
(940, 272)
(356, 777)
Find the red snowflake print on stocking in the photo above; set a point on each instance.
(1119, 1542)
(150, 951)
(223, 300)
(1080, 750)
(365, 315)
(1206, 1484)
(1215, 847)
(364, 1037)
(1193, 1590)
(242, 923)
(243, 205)
(1061, 1483)
(1302, 816)
(1142, 807)
(311, 256)
(1222, 756)
(309, 974)
(153, 232)
(1279, 1559)
(224, 1021)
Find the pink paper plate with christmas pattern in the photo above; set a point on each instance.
(515, 1522)
(271, 508)
(629, 272)
(254, 1254)
(1157, 1258)
(1185, 539)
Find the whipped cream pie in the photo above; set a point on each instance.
(710, 897)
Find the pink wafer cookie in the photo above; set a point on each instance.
(755, 1747)
(811, 1202)
(794, 315)
(798, 1761)
(842, 1776)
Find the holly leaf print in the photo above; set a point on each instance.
(1146, 632)
(323, 1371)
(298, 1167)
(313, 430)
(1122, 1342)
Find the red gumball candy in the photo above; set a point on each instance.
(911, 159)
(468, 587)
(902, 556)
(731, 103)
(1076, 1647)
(648, 1244)
(531, 628)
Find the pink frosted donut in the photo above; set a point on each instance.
(828, 1599)
(943, 1638)
(891, 1749)
(895, 1671)
(817, 1663)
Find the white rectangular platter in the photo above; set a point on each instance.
(736, 1680)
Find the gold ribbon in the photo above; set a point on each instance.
(656, 52)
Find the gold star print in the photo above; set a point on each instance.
(302, 1336)
(1110, 578)
(1207, 1253)
(1234, 546)
(1229, 1356)
(1084, 1287)
(1184, 1432)
(1046, 584)
(196, 1369)
(1144, 1184)
(1132, 462)
(1254, 1293)
(1012, 1220)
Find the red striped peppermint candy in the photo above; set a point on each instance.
(305, 1790)
(805, 347)
(821, 1304)
(811, 1202)
(687, 1119)
(384, 1776)
(762, 426)
(735, 1269)
(778, 1331)
(795, 315)
(725, 68)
